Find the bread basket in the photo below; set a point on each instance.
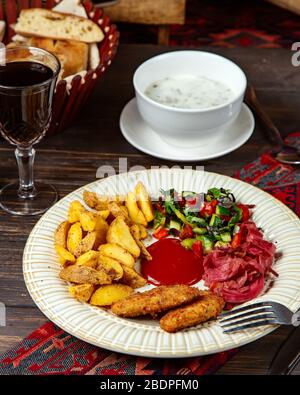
(70, 95)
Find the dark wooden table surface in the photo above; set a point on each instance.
(70, 160)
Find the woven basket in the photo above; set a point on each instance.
(69, 97)
(291, 5)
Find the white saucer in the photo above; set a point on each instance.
(142, 137)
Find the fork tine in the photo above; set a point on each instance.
(247, 320)
(251, 325)
(245, 308)
(250, 313)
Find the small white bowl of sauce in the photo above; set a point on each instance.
(189, 97)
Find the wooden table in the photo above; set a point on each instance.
(70, 160)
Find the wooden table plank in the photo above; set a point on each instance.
(95, 139)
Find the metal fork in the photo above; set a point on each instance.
(258, 314)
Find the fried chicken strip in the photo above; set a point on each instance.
(155, 301)
(207, 307)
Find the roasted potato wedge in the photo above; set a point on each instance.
(135, 213)
(74, 237)
(119, 211)
(132, 278)
(80, 274)
(95, 201)
(111, 266)
(61, 234)
(75, 209)
(64, 255)
(144, 252)
(144, 201)
(120, 199)
(143, 232)
(139, 231)
(89, 258)
(109, 294)
(82, 292)
(101, 229)
(119, 233)
(135, 231)
(104, 213)
(88, 221)
(117, 252)
(86, 244)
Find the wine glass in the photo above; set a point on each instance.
(28, 77)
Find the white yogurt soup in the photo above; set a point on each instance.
(189, 92)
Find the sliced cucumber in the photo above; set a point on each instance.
(215, 220)
(181, 216)
(226, 237)
(200, 231)
(237, 216)
(220, 210)
(207, 243)
(199, 222)
(215, 192)
(188, 243)
(174, 225)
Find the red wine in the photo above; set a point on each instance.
(26, 90)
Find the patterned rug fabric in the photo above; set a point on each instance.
(226, 23)
(49, 350)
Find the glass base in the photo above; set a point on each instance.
(46, 196)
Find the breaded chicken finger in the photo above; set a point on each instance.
(208, 306)
(155, 301)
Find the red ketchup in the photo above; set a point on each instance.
(172, 264)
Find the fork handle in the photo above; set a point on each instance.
(253, 102)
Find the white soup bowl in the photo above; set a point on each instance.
(189, 127)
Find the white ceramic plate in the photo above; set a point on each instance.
(144, 337)
(142, 137)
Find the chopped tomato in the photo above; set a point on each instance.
(208, 208)
(191, 201)
(186, 232)
(160, 233)
(246, 212)
(236, 241)
(194, 203)
(197, 248)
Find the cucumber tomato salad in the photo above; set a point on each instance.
(219, 229)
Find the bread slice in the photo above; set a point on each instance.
(44, 43)
(73, 53)
(2, 30)
(73, 7)
(76, 56)
(40, 22)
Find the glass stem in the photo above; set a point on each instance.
(25, 159)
